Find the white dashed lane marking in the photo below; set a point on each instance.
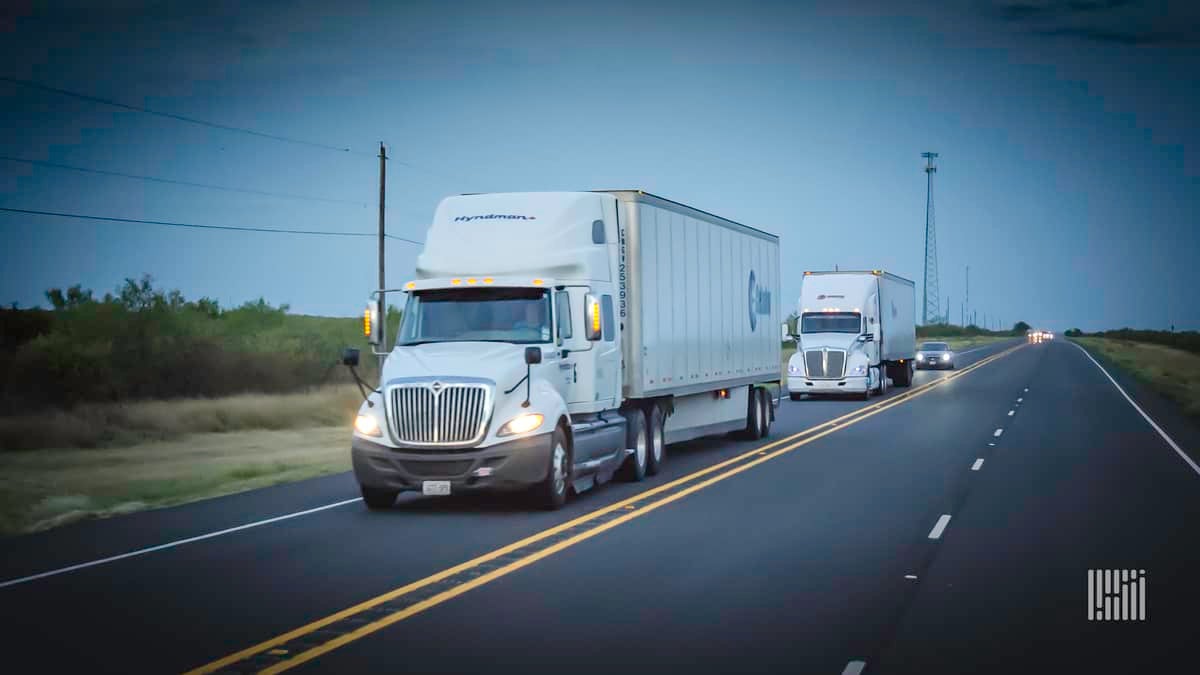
(940, 527)
(978, 463)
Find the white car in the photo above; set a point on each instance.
(935, 355)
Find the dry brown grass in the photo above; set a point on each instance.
(1173, 372)
(121, 425)
(47, 488)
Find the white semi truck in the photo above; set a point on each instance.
(552, 340)
(854, 331)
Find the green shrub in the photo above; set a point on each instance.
(144, 343)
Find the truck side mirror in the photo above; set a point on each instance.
(866, 337)
(371, 322)
(350, 357)
(533, 356)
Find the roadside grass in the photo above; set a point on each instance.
(98, 425)
(52, 487)
(1172, 372)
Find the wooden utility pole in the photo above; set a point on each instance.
(382, 278)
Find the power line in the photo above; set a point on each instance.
(203, 227)
(181, 118)
(154, 179)
(213, 125)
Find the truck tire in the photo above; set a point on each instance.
(378, 498)
(754, 416)
(637, 436)
(551, 493)
(883, 379)
(766, 407)
(657, 454)
(795, 397)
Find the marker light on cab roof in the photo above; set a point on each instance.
(537, 282)
(410, 285)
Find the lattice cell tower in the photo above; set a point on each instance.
(932, 306)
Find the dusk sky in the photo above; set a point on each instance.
(1069, 146)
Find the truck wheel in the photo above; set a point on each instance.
(551, 493)
(766, 412)
(378, 498)
(657, 455)
(883, 378)
(754, 415)
(794, 396)
(637, 436)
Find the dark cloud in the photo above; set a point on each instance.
(1114, 22)
(1130, 38)
(1027, 11)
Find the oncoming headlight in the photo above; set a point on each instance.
(521, 424)
(367, 426)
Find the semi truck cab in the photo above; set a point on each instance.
(855, 331)
(532, 355)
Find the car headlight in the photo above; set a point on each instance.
(367, 426)
(945, 357)
(920, 357)
(521, 424)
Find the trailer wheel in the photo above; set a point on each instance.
(637, 437)
(657, 455)
(883, 378)
(378, 498)
(754, 416)
(766, 412)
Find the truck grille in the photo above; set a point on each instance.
(825, 363)
(435, 414)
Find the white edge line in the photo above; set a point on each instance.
(854, 668)
(1170, 441)
(978, 463)
(940, 527)
(172, 544)
(998, 432)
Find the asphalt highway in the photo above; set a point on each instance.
(948, 527)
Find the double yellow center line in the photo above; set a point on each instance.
(324, 635)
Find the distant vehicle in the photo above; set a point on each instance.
(552, 340)
(856, 330)
(1039, 335)
(935, 355)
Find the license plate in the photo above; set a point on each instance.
(435, 487)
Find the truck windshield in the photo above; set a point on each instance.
(830, 322)
(516, 315)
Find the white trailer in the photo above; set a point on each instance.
(855, 331)
(552, 339)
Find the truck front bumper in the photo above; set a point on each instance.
(514, 465)
(846, 385)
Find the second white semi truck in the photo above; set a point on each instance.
(553, 340)
(854, 331)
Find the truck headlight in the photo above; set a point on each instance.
(521, 424)
(860, 369)
(367, 426)
(793, 370)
